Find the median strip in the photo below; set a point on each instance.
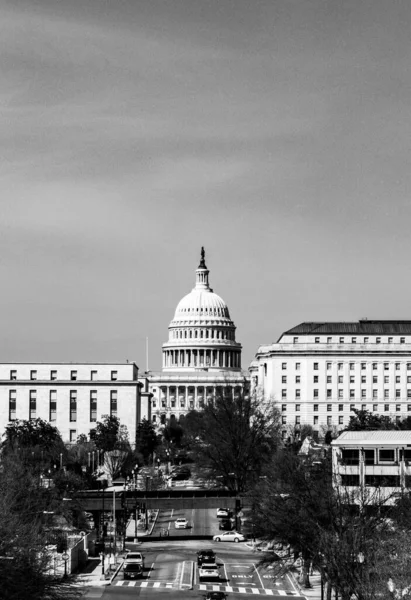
(187, 573)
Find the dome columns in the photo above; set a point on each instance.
(202, 358)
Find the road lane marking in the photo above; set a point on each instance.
(261, 581)
(292, 583)
(151, 568)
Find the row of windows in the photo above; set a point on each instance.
(350, 379)
(372, 456)
(340, 366)
(53, 405)
(352, 340)
(387, 407)
(173, 404)
(53, 375)
(372, 480)
(330, 421)
(203, 333)
(352, 394)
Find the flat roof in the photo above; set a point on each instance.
(370, 438)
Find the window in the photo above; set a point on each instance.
(329, 366)
(329, 379)
(386, 379)
(375, 379)
(397, 366)
(375, 407)
(283, 420)
(398, 407)
(386, 455)
(315, 366)
(113, 375)
(390, 340)
(33, 375)
(297, 407)
(93, 375)
(284, 379)
(329, 407)
(315, 407)
(154, 403)
(163, 403)
(315, 393)
(363, 406)
(73, 435)
(317, 340)
(352, 379)
(363, 366)
(363, 379)
(354, 340)
(53, 375)
(340, 394)
(352, 393)
(408, 379)
(386, 366)
(113, 403)
(351, 366)
(329, 393)
(341, 407)
(53, 405)
(315, 379)
(154, 419)
(283, 407)
(341, 420)
(408, 407)
(284, 366)
(297, 420)
(366, 340)
(73, 375)
(13, 375)
(12, 405)
(295, 340)
(408, 366)
(352, 407)
(297, 366)
(386, 393)
(408, 393)
(329, 421)
(315, 420)
(363, 393)
(398, 393)
(402, 340)
(297, 394)
(350, 456)
(374, 366)
(341, 340)
(340, 379)
(378, 340)
(93, 406)
(33, 404)
(340, 366)
(283, 393)
(329, 340)
(350, 480)
(386, 407)
(298, 379)
(375, 393)
(369, 458)
(73, 405)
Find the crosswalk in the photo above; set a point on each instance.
(147, 584)
(247, 590)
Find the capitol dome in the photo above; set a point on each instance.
(202, 334)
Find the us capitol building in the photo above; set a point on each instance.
(201, 359)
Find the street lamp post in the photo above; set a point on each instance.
(134, 472)
(65, 557)
(147, 480)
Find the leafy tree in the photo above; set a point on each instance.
(234, 437)
(366, 420)
(109, 434)
(146, 439)
(36, 439)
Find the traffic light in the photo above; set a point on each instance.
(143, 509)
(237, 505)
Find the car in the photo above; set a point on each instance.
(225, 524)
(215, 596)
(224, 513)
(208, 571)
(181, 523)
(135, 558)
(229, 536)
(205, 556)
(132, 570)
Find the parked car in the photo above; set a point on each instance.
(180, 473)
(205, 556)
(229, 536)
(225, 524)
(224, 513)
(132, 570)
(181, 523)
(215, 596)
(208, 571)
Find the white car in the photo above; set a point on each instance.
(229, 536)
(135, 558)
(223, 513)
(208, 571)
(181, 523)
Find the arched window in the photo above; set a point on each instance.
(163, 419)
(154, 418)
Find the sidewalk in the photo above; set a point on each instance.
(312, 593)
(92, 573)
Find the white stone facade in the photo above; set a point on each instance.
(317, 373)
(72, 396)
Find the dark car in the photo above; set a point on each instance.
(205, 556)
(225, 524)
(180, 474)
(215, 596)
(132, 571)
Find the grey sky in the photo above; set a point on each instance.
(276, 133)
